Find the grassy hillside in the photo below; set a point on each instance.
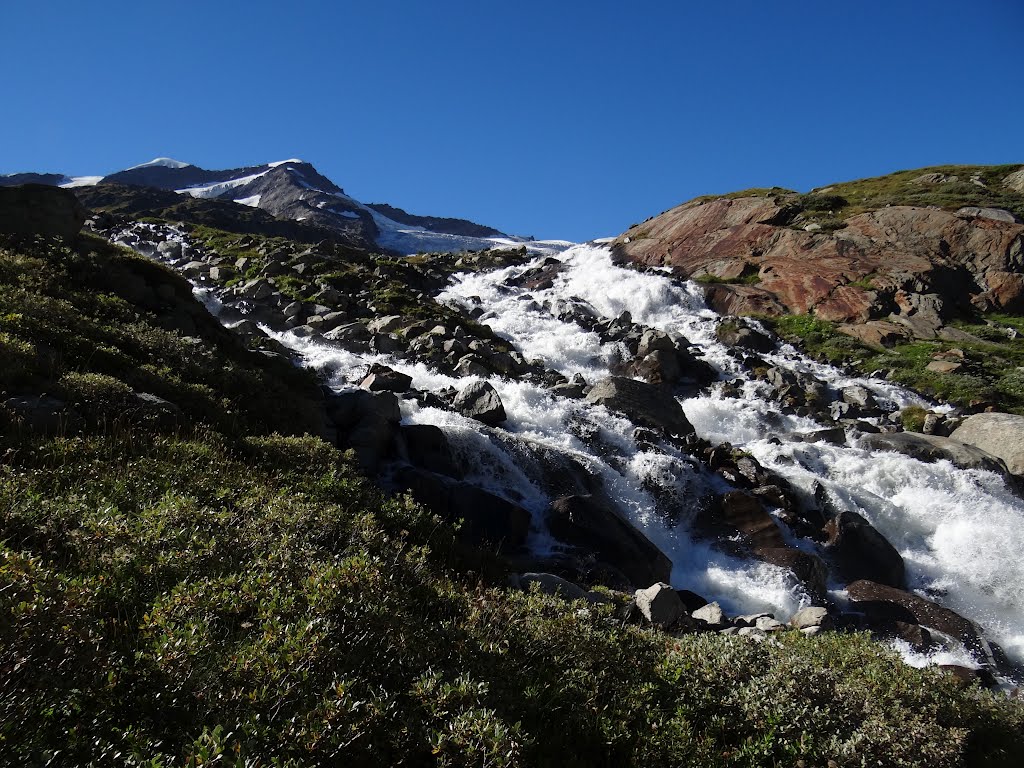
(210, 586)
(949, 187)
(991, 358)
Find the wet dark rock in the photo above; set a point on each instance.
(858, 551)
(808, 568)
(734, 335)
(642, 403)
(488, 519)
(380, 378)
(598, 527)
(882, 603)
(742, 513)
(427, 447)
(479, 400)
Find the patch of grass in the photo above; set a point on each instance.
(992, 372)
(901, 188)
(912, 418)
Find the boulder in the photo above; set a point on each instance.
(643, 403)
(479, 400)
(550, 584)
(427, 447)
(380, 378)
(882, 603)
(808, 568)
(660, 604)
(858, 551)
(596, 526)
(929, 448)
(37, 209)
(812, 616)
(366, 422)
(739, 512)
(712, 616)
(487, 519)
(998, 434)
(42, 414)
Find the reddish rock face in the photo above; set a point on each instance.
(852, 275)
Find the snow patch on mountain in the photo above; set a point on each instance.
(80, 181)
(164, 162)
(284, 162)
(252, 201)
(221, 187)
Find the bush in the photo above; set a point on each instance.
(912, 418)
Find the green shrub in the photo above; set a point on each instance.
(912, 418)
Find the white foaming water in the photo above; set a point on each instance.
(960, 532)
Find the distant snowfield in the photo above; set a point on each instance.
(165, 162)
(80, 181)
(221, 187)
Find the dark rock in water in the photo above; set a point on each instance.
(930, 448)
(832, 435)
(691, 600)
(479, 400)
(487, 518)
(739, 512)
(643, 403)
(367, 423)
(881, 604)
(35, 209)
(598, 527)
(380, 378)
(734, 335)
(858, 551)
(427, 447)
(808, 568)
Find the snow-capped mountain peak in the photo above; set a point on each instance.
(161, 162)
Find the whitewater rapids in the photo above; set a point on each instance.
(960, 532)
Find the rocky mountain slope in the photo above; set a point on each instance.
(698, 488)
(888, 258)
(289, 191)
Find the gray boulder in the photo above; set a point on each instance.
(999, 434)
(712, 616)
(931, 448)
(479, 400)
(644, 404)
(812, 616)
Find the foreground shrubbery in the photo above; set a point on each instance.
(213, 595)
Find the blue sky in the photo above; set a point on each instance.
(556, 119)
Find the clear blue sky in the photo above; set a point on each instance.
(557, 119)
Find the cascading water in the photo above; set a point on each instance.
(960, 532)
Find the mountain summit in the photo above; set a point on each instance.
(290, 190)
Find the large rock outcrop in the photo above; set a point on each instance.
(916, 265)
(36, 209)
